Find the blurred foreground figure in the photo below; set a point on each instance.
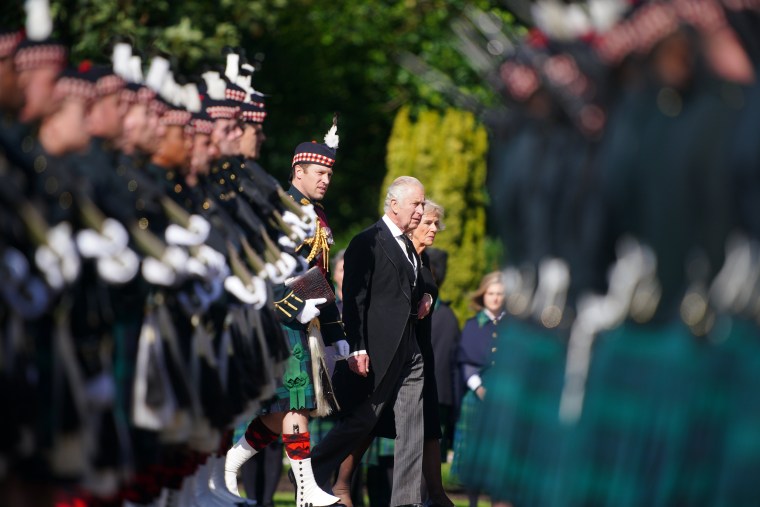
(626, 186)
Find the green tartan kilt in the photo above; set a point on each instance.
(511, 439)
(319, 427)
(295, 389)
(378, 448)
(669, 419)
(736, 370)
(627, 448)
(462, 433)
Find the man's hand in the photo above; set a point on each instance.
(310, 310)
(426, 303)
(359, 364)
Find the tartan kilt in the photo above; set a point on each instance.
(319, 427)
(513, 436)
(626, 448)
(463, 432)
(669, 419)
(736, 366)
(295, 389)
(378, 448)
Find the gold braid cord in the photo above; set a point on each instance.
(318, 243)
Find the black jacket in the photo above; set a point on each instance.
(378, 296)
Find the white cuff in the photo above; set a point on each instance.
(474, 382)
(358, 353)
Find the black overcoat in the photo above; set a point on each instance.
(378, 297)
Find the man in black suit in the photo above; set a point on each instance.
(382, 301)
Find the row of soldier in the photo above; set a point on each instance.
(134, 213)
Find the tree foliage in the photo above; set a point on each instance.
(315, 57)
(446, 152)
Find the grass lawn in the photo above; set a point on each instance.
(285, 498)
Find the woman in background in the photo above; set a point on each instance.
(478, 343)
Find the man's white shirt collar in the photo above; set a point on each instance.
(393, 227)
(399, 235)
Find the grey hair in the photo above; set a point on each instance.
(433, 208)
(399, 189)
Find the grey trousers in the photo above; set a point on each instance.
(401, 388)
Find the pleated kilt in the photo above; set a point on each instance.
(628, 446)
(295, 389)
(509, 443)
(463, 433)
(669, 419)
(737, 365)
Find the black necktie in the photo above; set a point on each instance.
(410, 250)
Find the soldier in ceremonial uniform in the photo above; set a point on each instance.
(174, 149)
(10, 102)
(141, 119)
(38, 59)
(252, 113)
(261, 474)
(296, 396)
(203, 151)
(10, 96)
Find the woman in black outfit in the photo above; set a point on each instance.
(422, 237)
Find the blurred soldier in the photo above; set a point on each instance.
(10, 95)
(38, 61)
(261, 474)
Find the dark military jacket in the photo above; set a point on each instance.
(288, 304)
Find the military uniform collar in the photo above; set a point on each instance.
(302, 199)
(155, 171)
